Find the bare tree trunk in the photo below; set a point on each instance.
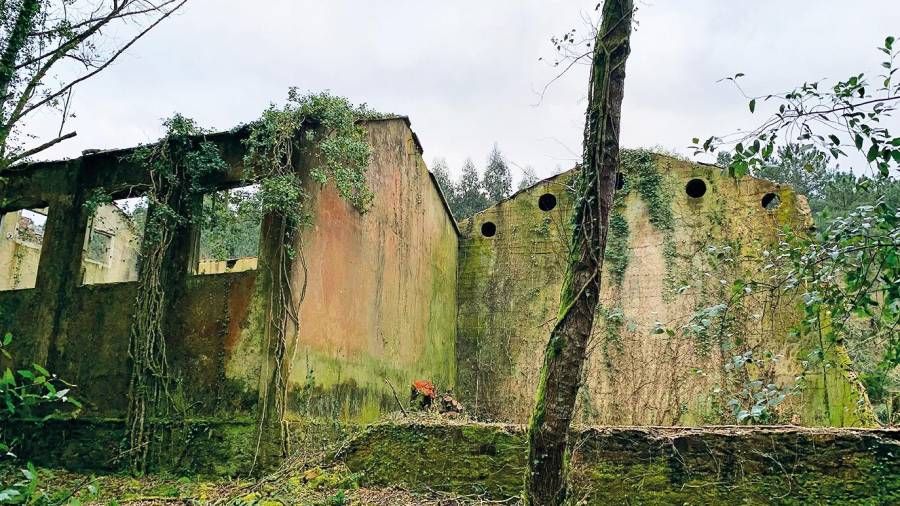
(564, 357)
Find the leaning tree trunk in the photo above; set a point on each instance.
(545, 481)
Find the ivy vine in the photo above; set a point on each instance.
(320, 129)
(176, 166)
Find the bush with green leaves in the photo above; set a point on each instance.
(757, 396)
(27, 393)
(847, 274)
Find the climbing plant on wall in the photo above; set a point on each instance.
(176, 166)
(320, 130)
(338, 152)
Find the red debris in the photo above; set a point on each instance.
(424, 388)
(422, 393)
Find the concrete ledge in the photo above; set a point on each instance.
(643, 465)
(611, 465)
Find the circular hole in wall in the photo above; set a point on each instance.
(620, 180)
(695, 188)
(488, 229)
(770, 201)
(547, 202)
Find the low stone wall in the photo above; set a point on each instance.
(622, 465)
(612, 465)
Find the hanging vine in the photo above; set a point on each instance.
(176, 165)
(323, 131)
(339, 153)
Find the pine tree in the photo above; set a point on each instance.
(470, 197)
(497, 178)
(529, 178)
(441, 172)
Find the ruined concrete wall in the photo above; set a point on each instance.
(629, 465)
(81, 332)
(110, 251)
(380, 293)
(90, 347)
(111, 248)
(669, 255)
(232, 265)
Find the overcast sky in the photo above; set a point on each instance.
(467, 72)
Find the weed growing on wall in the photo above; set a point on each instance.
(641, 174)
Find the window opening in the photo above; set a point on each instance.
(21, 242)
(695, 188)
(547, 202)
(771, 201)
(112, 242)
(230, 231)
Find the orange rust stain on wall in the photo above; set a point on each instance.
(367, 315)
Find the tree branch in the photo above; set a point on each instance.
(33, 151)
(98, 22)
(22, 112)
(94, 19)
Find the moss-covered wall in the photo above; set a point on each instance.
(378, 299)
(90, 347)
(380, 303)
(727, 465)
(196, 447)
(669, 255)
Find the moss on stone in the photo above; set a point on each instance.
(200, 447)
(465, 459)
(641, 466)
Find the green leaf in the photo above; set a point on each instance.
(8, 378)
(858, 140)
(7, 338)
(834, 139)
(25, 373)
(40, 369)
(873, 153)
(739, 168)
(8, 495)
(753, 105)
